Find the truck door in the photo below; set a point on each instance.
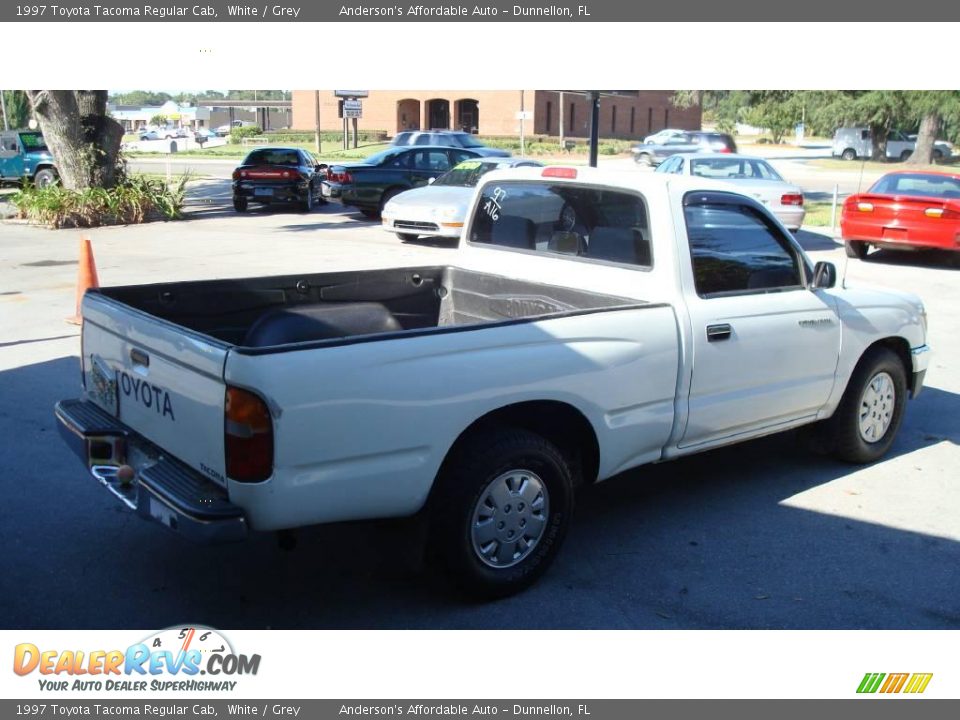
(764, 346)
(11, 158)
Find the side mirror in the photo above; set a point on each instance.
(430, 181)
(824, 275)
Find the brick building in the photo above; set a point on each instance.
(493, 112)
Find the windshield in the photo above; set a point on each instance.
(466, 174)
(273, 157)
(919, 185)
(33, 142)
(723, 168)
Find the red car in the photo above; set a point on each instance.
(904, 211)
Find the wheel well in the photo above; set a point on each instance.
(393, 188)
(901, 349)
(560, 423)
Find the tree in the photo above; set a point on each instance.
(140, 98)
(932, 108)
(777, 111)
(159, 120)
(83, 140)
(18, 109)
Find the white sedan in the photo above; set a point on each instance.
(440, 208)
(751, 176)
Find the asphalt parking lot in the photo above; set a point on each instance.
(761, 535)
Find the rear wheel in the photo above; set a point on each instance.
(644, 159)
(856, 249)
(501, 509)
(937, 156)
(865, 424)
(307, 203)
(407, 237)
(370, 213)
(905, 155)
(849, 154)
(240, 204)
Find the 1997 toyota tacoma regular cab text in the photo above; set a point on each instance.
(594, 321)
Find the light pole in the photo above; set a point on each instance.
(3, 105)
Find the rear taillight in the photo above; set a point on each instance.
(237, 174)
(725, 150)
(792, 199)
(865, 207)
(247, 436)
(339, 177)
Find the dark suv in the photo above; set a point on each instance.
(699, 141)
(446, 138)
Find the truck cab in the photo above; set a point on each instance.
(24, 155)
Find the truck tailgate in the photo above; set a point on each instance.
(163, 381)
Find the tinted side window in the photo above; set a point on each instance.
(564, 219)
(432, 160)
(734, 249)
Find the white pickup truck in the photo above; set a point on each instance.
(593, 321)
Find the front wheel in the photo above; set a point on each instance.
(905, 155)
(937, 156)
(644, 159)
(856, 249)
(240, 204)
(44, 178)
(502, 507)
(869, 415)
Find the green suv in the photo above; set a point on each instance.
(24, 155)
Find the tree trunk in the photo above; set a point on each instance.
(84, 142)
(923, 151)
(879, 135)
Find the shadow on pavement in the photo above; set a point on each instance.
(934, 259)
(811, 241)
(704, 542)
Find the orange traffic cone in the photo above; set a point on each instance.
(86, 277)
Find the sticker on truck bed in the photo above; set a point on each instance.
(103, 385)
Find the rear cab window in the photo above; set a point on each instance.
(589, 223)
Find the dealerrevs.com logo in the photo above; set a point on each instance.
(910, 683)
(172, 659)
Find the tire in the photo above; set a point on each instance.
(501, 484)
(644, 159)
(240, 204)
(307, 203)
(937, 156)
(45, 177)
(370, 213)
(388, 196)
(848, 154)
(905, 155)
(869, 415)
(407, 237)
(856, 249)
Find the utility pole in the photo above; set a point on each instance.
(316, 116)
(522, 145)
(594, 97)
(3, 105)
(561, 121)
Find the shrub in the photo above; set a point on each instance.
(238, 134)
(135, 199)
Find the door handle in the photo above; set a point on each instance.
(721, 331)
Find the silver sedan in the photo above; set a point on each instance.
(440, 208)
(747, 175)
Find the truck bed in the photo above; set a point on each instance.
(284, 312)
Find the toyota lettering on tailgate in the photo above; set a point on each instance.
(150, 396)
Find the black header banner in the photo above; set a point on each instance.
(507, 11)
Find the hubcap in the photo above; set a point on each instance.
(876, 407)
(509, 518)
